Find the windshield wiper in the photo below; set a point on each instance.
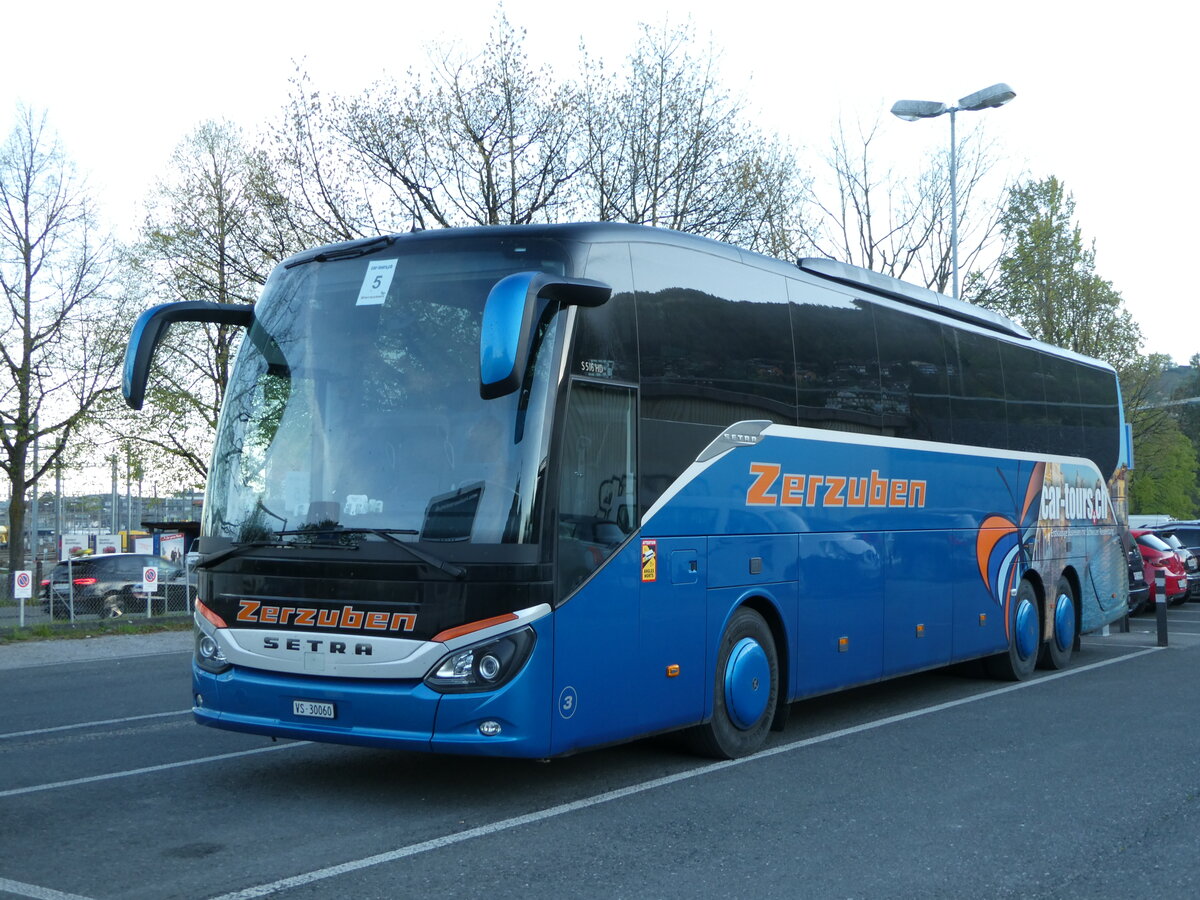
(354, 250)
(238, 549)
(389, 535)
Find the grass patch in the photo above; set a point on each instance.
(94, 628)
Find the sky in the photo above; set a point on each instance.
(1100, 90)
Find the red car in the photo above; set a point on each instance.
(1160, 557)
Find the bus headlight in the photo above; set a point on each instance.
(483, 666)
(209, 655)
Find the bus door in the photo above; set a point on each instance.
(596, 624)
(671, 665)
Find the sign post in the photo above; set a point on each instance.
(22, 591)
(149, 586)
(1160, 605)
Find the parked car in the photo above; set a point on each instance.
(109, 585)
(1139, 588)
(1184, 538)
(1159, 557)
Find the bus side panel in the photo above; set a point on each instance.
(978, 617)
(1104, 581)
(918, 601)
(595, 697)
(671, 668)
(840, 597)
(743, 569)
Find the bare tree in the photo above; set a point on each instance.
(483, 139)
(900, 225)
(61, 312)
(667, 146)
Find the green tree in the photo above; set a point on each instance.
(1164, 477)
(1187, 405)
(1164, 480)
(1047, 279)
(206, 236)
(61, 313)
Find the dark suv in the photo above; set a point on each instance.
(110, 585)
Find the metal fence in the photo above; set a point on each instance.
(65, 601)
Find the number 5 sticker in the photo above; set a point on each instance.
(376, 282)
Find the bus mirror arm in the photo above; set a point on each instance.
(150, 327)
(508, 319)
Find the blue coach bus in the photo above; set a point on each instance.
(527, 490)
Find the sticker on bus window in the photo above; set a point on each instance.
(376, 282)
(649, 560)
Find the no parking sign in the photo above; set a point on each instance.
(22, 584)
(149, 580)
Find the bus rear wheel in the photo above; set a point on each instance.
(1056, 652)
(1024, 637)
(745, 690)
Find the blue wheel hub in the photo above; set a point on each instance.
(1064, 622)
(1026, 622)
(747, 683)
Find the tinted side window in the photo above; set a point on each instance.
(1025, 398)
(837, 360)
(912, 369)
(1064, 433)
(715, 339)
(1101, 418)
(977, 408)
(606, 336)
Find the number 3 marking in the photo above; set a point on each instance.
(567, 701)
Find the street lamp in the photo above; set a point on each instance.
(911, 110)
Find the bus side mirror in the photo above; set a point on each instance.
(150, 327)
(504, 339)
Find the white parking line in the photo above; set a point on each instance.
(145, 770)
(96, 724)
(459, 837)
(21, 889)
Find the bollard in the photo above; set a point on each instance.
(1160, 605)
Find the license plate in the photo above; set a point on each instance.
(313, 709)
(1137, 576)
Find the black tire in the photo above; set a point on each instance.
(1024, 637)
(743, 707)
(1064, 610)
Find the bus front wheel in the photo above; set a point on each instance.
(1024, 637)
(745, 690)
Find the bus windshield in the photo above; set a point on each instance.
(354, 404)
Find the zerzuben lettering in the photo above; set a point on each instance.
(771, 486)
(308, 617)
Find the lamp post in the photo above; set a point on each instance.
(911, 110)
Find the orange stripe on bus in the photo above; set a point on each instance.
(210, 615)
(460, 630)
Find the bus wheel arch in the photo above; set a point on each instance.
(746, 688)
(1062, 614)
